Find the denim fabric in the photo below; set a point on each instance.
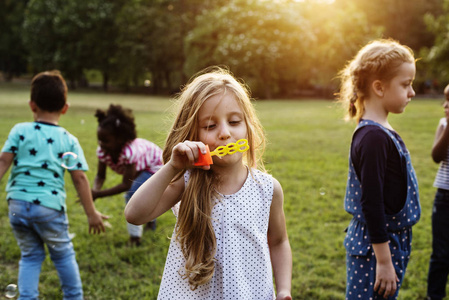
(33, 226)
(360, 280)
(361, 269)
(439, 260)
(136, 230)
(410, 214)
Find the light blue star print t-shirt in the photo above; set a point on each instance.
(37, 174)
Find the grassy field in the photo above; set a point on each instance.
(307, 152)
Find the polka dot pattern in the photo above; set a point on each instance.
(409, 214)
(361, 269)
(361, 262)
(243, 265)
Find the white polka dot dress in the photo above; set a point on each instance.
(243, 264)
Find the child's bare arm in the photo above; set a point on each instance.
(280, 251)
(100, 177)
(127, 180)
(386, 278)
(155, 196)
(94, 217)
(440, 144)
(6, 159)
(158, 194)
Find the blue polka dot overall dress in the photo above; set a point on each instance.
(360, 258)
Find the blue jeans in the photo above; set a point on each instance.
(136, 230)
(33, 226)
(439, 260)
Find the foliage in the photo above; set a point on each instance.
(336, 40)
(260, 41)
(437, 55)
(13, 56)
(150, 40)
(69, 35)
(281, 48)
(401, 19)
(307, 153)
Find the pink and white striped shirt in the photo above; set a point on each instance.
(145, 154)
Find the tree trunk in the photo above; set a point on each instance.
(105, 81)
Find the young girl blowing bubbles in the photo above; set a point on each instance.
(119, 148)
(382, 190)
(230, 235)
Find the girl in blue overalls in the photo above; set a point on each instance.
(382, 190)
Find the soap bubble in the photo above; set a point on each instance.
(69, 160)
(11, 291)
(147, 83)
(322, 191)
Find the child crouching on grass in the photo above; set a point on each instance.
(35, 191)
(134, 158)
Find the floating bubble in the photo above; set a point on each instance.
(322, 191)
(11, 291)
(69, 160)
(82, 121)
(147, 83)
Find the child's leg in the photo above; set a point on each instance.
(31, 248)
(137, 230)
(56, 236)
(439, 261)
(134, 230)
(33, 226)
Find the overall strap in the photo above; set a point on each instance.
(364, 123)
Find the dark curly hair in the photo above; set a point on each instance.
(119, 121)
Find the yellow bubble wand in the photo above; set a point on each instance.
(231, 148)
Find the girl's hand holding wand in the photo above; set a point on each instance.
(158, 194)
(185, 154)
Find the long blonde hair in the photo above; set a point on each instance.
(378, 60)
(194, 230)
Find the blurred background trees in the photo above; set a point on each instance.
(281, 48)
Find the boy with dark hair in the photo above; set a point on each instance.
(35, 189)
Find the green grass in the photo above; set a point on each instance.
(307, 152)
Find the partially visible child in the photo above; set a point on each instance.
(439, 260)
(382, 189)
(230, 236)
(35, 191)
(135, 158)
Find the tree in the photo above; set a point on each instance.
(149, 41)
(340, 31)
(401, 19)
(436, 58)
(13, 56)
(262, 41)
(71, 36)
